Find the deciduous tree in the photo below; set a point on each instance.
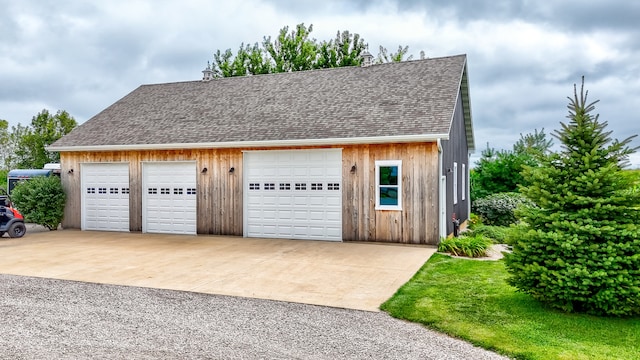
(296, 50)
(31, 141)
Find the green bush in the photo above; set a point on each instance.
(499, 234)
(499, 209)
(469, 246)
(40, 200)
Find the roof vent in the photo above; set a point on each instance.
(207, 74)
(367, 58)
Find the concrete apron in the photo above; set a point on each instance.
(346, 275)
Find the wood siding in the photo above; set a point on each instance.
(219, 202)
(417, 223)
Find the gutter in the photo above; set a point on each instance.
(258, 144)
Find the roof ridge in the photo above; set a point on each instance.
(339, 68)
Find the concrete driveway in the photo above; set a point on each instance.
(346, 275)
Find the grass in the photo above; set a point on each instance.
(471, 300)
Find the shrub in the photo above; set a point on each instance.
(40, 200)
(499, 234)
(469, 246)
(498, 209)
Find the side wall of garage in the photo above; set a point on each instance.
(220, 200)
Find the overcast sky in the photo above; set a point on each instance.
(523, 56)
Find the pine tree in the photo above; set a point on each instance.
(578, 248)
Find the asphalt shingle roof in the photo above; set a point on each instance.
(395, 99)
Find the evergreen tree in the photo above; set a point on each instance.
(579, 246)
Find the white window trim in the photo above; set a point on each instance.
(455, 183)
(383, 163)
(464, 182)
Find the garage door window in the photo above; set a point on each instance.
(389, 185)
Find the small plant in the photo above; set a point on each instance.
(499, 209)
(469, 246)
(474, 221)
(41, 200)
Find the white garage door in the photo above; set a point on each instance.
(294, 194)
(169, 197)
(105, 196)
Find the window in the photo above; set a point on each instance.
(254, 186)
(269, 186)
(113, 190)
(389, 185)
(177, 191)
(285, 186)
(152, 191)
(191, 191)
(301, 186)
(333, 186)
(455, 182)
(464, 181)
(125, 190)
(316, 186)
(165, 191)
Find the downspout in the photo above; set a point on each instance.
(468, 180)
(442, 202)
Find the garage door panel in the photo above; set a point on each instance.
(293, 194)
(169, 197)
(334, 216)
(105, 196)
(333, 201)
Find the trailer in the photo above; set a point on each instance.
(17, 175)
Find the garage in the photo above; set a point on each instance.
(105, 196)
(169, 197)
(295, 194)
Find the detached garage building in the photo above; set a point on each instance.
(376, 153)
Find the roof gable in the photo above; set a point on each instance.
(383, 103)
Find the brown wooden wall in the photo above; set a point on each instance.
(220, 200)
(417, 223)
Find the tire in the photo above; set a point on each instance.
(1, 233)
(17, 230)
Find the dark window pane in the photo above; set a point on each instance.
(388, 175)
(388, 195)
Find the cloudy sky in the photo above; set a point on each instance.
(524, 56)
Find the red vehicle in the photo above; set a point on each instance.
(11, 221)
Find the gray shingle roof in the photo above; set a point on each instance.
(409, 98)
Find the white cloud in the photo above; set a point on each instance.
(523, 58)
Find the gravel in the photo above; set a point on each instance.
(45, 318)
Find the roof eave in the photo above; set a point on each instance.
(468, 119)
(257, 144)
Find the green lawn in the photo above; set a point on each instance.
(470, 299)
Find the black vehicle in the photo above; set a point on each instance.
(11, 221)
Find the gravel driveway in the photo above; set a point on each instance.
(57, 319)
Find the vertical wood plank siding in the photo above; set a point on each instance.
(417, 223)
(219, 202)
